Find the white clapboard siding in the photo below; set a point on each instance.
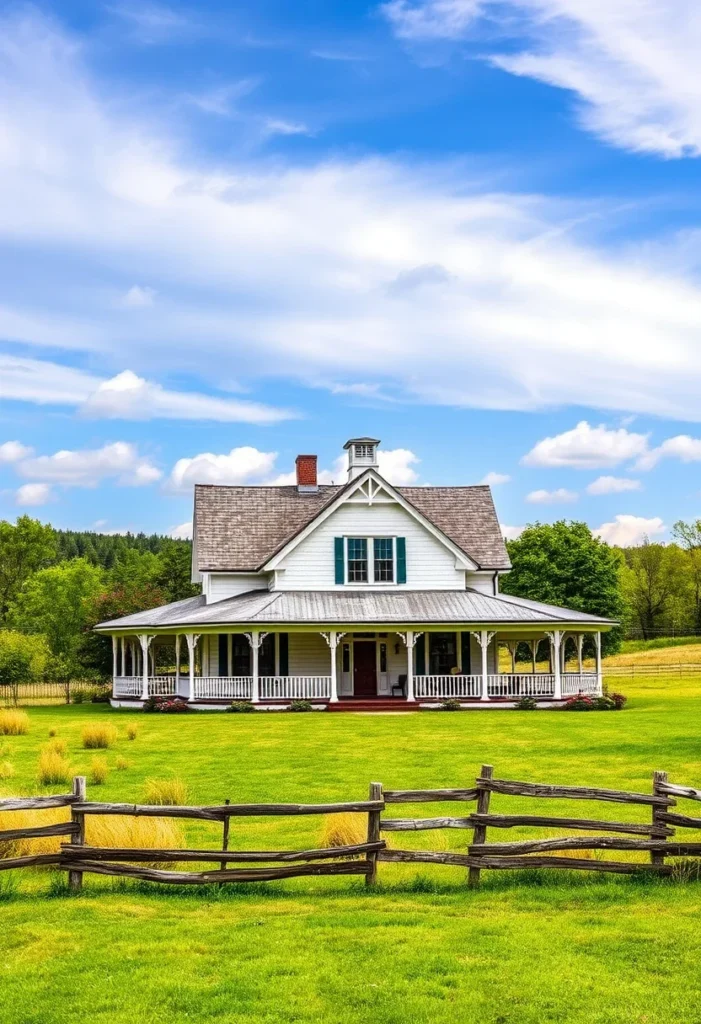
(217, 586)
(309, 655)
(429, 565)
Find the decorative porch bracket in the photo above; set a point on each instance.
(409, 639)
(145, 640)
(191, 640)
(332, 639)
(555, 638)
(255, 640)
(484, 638)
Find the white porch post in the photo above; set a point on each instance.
(580, 644)
(332, 639)
(555, 640)
(255, 639)
(599, 675)
(114, 658)
(145, 641)
(409, 638)
(512, 645)
(191, 640)
(177, 663)
(122, 662)
(484, 639)
(534, 655)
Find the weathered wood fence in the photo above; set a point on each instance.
(653, 837)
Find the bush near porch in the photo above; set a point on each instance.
(603, 950)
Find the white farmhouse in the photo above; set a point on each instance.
(362, 595)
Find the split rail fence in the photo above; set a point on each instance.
(653, 837)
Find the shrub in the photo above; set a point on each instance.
(241, 707)
(100, 697)
(6, 770)
(99, 736)
(619, 700)
(132, 732)
(165, 792)
(99, 770)
(52, 732)
(450, 705)
(80, 696)
(54, 768)
(300, 705)
(121, 764)
(580, 702)
(167, 705)
(14, 722)
(526, 703)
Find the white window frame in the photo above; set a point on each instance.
(370, 542)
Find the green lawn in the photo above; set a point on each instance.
(420, 948)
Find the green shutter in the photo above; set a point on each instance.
(340, 566)
(223, 654)
(284, 653)
(420, 656)
(401, 560)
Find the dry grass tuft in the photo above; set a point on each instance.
(343, 830)
(99, 736)
(54, 769)
(6, 770)
(132, 732)
(99, 770)
(121, 764)
(59, 745)
(13, 722)
(165, 792)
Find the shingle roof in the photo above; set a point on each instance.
(237, 529)
(297, 607)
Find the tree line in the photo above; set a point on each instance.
(55, 585)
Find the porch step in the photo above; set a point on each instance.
(374, 704)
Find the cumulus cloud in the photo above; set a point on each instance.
(493, 479)
(292, 262)
(29, 495)
(682, 447)
(613, 485)
(241, 466)
(13, 451)
(512, 532)
(182, 532)
(89, 467)
(556, 497)
(628, 531)
(586, 447)
(630, 65)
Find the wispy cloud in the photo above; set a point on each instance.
(152, 24)
(557, 497)
(119, 461)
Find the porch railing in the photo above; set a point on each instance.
(521, 684)
(295, 687)
(222, 687)
(579, 682)
(447, 686)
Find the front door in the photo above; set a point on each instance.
(364, 669)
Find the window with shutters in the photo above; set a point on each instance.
(357, 559)
(383, 560)
(371, 560)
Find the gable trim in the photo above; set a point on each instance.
(462, 559)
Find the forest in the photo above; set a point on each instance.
(55, 585)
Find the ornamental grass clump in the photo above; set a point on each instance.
(99, 736)
(343, 830)
(14, 722)
(54, 769)
(165, 792)
(57, 744)
(132, 732)
(7, 770)
(121, 764)
(99, 770)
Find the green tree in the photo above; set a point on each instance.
(689, 537)
(23, 658)
(174, 573)
(25, 547)
(56, 602)
(113, 602)
(564, 564)
(655, 587)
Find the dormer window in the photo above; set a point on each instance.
(370, 560)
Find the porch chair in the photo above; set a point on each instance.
(398, 689)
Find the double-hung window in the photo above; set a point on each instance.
(383, 559)
(357, 560)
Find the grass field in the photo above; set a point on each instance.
(520, 949)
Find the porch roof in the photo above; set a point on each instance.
(305, 607)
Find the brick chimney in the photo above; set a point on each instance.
(306, 473)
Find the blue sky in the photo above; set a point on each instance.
(231, 233)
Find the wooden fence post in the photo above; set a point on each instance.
(225, 837)
(75, 878)
(375, 793)
(480, 833)
(657, 778)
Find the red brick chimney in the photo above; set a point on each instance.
(306, 473)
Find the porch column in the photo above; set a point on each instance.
(145, 641)
(484, 639)
(409, 638)
(255, 639)
(177, 663)
(534, 655)
(580, 660)
(332, 639)
(512, 645)
(555, 638)
(114, 657)
(191, 640)
(599, 674)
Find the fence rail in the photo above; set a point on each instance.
(654, 837)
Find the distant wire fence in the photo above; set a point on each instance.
(38, 693)
(658, 669)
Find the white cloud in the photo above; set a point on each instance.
(408, 281)
(493, 479)
(628, 531)
(586, 447)
(278, 126)
(265, 270)
(631, 65)
(182, 532)
(138, 297)
(431, 19)
(397, 466)
(512, 532)
(33, 494)
(682, 447)
(557, 497)
(152, 23)
(241, 466)
(13, 451)
(87, 468)
(613, 485)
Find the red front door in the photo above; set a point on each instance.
(364, 669)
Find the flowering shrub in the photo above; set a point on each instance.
(241, 707)
(580, 702)
(526, 704)
(608, 702)
(168, 705)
